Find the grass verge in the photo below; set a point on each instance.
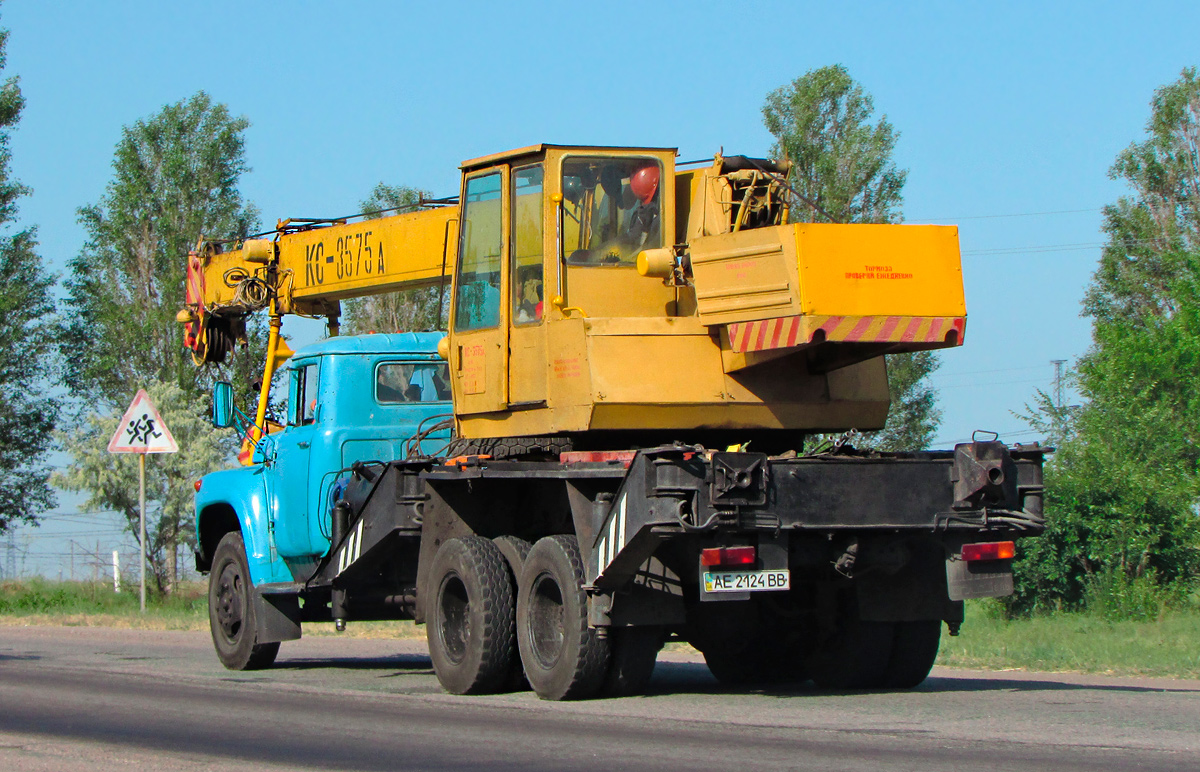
(94, 604)
(1076, 642)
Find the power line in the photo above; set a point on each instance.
(937, 374)
(77, 534)
(96, 512)
(76, 520)
(1000, 216)
(99, 513)
(989, 383)
(1036, 249)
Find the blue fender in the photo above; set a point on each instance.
(244, 490)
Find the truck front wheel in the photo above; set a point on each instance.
(470, 626)
(231, 609)
(564, 658)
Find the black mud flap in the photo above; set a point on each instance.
(978, 579)
(277, 615)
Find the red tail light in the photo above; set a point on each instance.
(993, 550)
(198, 485)
(728, 556)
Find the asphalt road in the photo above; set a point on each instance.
(101, 699)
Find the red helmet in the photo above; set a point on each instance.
(644, 182)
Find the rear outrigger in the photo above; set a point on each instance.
(606, 450)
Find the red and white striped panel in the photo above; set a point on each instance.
(789, 331)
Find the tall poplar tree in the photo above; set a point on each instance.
(842, 167)
(175, 179)
(27, 415)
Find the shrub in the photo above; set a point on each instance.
(1117, 597)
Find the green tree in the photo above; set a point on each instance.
(1123, 489)
(841, 161)
(408, 310)
(914, 416)
(175, 178)
(111, 480)
(27, 415)
(842, 168)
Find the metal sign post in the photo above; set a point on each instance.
(142, 522)
(142, 430)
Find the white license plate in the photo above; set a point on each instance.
(743, 581)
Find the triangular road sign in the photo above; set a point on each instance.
(142, 430)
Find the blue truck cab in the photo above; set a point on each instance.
(350, 399)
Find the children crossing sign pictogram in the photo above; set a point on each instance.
(142, 430)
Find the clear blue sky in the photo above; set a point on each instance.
(1003, 109)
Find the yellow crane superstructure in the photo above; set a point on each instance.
(599, 292)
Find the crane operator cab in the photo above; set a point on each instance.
(550, 235)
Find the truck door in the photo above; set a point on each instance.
(291, 503)
(527, 290)
(479, 341)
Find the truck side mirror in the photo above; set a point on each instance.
(222, 405)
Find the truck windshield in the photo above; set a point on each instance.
(399, 382)
(612, 209)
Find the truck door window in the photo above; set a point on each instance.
(401, 382)
(303, 409)
(527, 227)
(480, 255)
(613, 209)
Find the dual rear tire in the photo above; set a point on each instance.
(564, 657)
(470, 619)
(876, 655)
(490, 620)
(752, 643)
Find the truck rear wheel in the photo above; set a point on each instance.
(747, 642)
(914, 649)
(856, 656)
(515, 550)
(754, 662)
(470, 625)
(564, 658)
(633, 652)
(231, 615)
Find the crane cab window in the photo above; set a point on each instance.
(480, 255)
(612, 208)
(404, 382)
(303, 407)
(528, 293)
